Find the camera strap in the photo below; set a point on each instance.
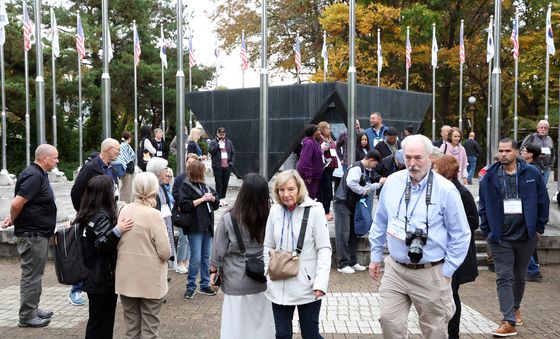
(407, 193)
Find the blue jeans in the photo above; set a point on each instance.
(201, 247)
(534, 268)
(471, 168)
(308, 320)
(546, 174)
(183, 246)
(77, 287)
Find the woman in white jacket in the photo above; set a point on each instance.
(282, 231)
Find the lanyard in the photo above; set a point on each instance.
(505, 184)
(290, 225)
(407, 193)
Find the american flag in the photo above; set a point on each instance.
(243, 54)
(408, 51)
(27, 28)
(192, 60)
(297, 54)
(137, 48)
(515, 38)
(80, 39)
(462, 46)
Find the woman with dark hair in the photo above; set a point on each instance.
(98, 215)
(448, 167)
(146, 149)
(328, 147)
(310, 164)
(245, 309)
(362, 146)
(198, 201)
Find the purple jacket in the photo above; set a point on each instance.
(310, 164)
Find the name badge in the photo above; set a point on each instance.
(545, 150)
(165, 211)
(159, 153)
(223, 155)
(332, 151)
(513, 206)
(375, 141)
(396, 229)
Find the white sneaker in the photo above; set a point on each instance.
(358, 267)
(346, 270)
(182, 270)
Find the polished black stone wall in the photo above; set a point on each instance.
(291, 108)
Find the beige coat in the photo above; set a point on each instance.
(142, 254)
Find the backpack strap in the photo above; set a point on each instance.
(237, 234)
(193, 187)
(302, 229)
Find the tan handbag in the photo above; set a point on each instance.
(284, 264)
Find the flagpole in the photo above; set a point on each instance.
(496, 74)
(53, 83)
(515, 117)
(27, 119)
(190, 79)
(4, 169)
(180, 93)
(546, 78)
(263, 96)
(350, 120)
(407, 39)
(433, 89)
(378, 65)
(489, 99)
(461, 85)
(105, 77)
(162, 89)
(135, 87)
(39, 80)
(80, 117)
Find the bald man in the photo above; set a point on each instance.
(33, 214)
(100, 165)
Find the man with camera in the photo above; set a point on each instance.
(421, 218)
(513, 209)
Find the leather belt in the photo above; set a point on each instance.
(421, 266)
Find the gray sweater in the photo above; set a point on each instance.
(231, 264)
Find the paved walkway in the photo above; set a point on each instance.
(350, 310)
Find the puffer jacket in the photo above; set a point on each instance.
(314, 260)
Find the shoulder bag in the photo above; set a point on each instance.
(254, 267)
(284, 264)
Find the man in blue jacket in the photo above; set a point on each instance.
(513, 209)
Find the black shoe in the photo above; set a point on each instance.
(491, 267)
(189, 294)
(44, 314)
(535, 278)
(35, 322)
(206, 291)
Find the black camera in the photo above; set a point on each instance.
(416, 241)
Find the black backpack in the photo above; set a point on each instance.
(68, 255)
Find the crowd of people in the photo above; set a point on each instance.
(271, 258)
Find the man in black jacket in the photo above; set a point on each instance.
(33, 214)
(100, 165)
(223, 157)
(390, 144)
(473, 149)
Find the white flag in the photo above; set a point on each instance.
(379, 54)
(110, 44)
(324, 53)
(549, 36)
(434, 49)
(3, 22)
(54, 35)
(163, 50)
(490, 44)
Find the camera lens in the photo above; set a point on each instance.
(415, 250)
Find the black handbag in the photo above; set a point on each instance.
(254, 267)
(130, 167)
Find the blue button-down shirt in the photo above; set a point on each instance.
(448, 232)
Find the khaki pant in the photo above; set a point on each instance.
(426, 289)
(141, 317)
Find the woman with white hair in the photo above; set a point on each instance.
(158, 166)
(141, 273)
